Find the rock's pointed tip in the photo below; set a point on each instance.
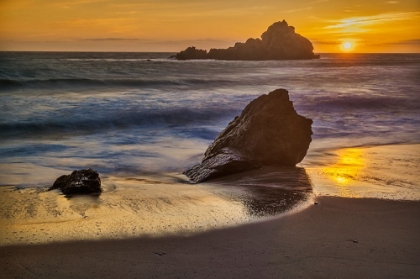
(281, 93)
(279, 90)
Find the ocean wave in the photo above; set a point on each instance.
(54, 83)
(88, 123)
(359, 103)
(365, 59)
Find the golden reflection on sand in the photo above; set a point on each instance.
(389, 171)
(349, 163)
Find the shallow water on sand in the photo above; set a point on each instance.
(134, 206)
(386, 172)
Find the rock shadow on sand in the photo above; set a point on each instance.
(268, 191)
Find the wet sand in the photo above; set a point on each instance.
(135, 207)
(337, 238)
(132, 208)
(385, 172)
(233, 227)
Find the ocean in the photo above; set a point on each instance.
(146, 114)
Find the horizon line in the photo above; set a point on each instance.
(102, 51)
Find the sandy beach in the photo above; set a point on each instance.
(353, 214)
(337, 238)
(137, 207)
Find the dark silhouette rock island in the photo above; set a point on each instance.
(279, 42)
(268, 132)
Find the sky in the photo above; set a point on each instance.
(173, 25)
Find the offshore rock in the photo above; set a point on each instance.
(279, 42)
(191, 53)
(268, 132)
(78, 182)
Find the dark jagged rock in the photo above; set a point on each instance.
(191, 53)
(78, 182)
(279, 42)
(226, 161)
(268, 132)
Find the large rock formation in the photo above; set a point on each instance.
(279, 42)
(268, 132)
(78, 182)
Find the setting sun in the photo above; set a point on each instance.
(348, 45)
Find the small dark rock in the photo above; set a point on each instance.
(160, 253)
(78, 182)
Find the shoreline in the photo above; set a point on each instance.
(138, 207)
(141, 227)
(336, 238)
(160, 206)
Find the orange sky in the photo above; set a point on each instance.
(173, 25)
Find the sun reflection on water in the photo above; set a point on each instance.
(349, 164)
(389, 172)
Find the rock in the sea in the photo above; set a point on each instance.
(78, 182)
(279, 42)
(191, 53)
(268, 132)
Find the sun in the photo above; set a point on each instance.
(347, 46)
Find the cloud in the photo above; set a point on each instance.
(352, 26)
(306, 7)
(297, 10)
(113, 44)
(109, 39)
(414, 42)
(143, 40)
(371, 20)
(319, 42)
(318, 1)
(393, 2)
(336, 41)
(412, 46)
